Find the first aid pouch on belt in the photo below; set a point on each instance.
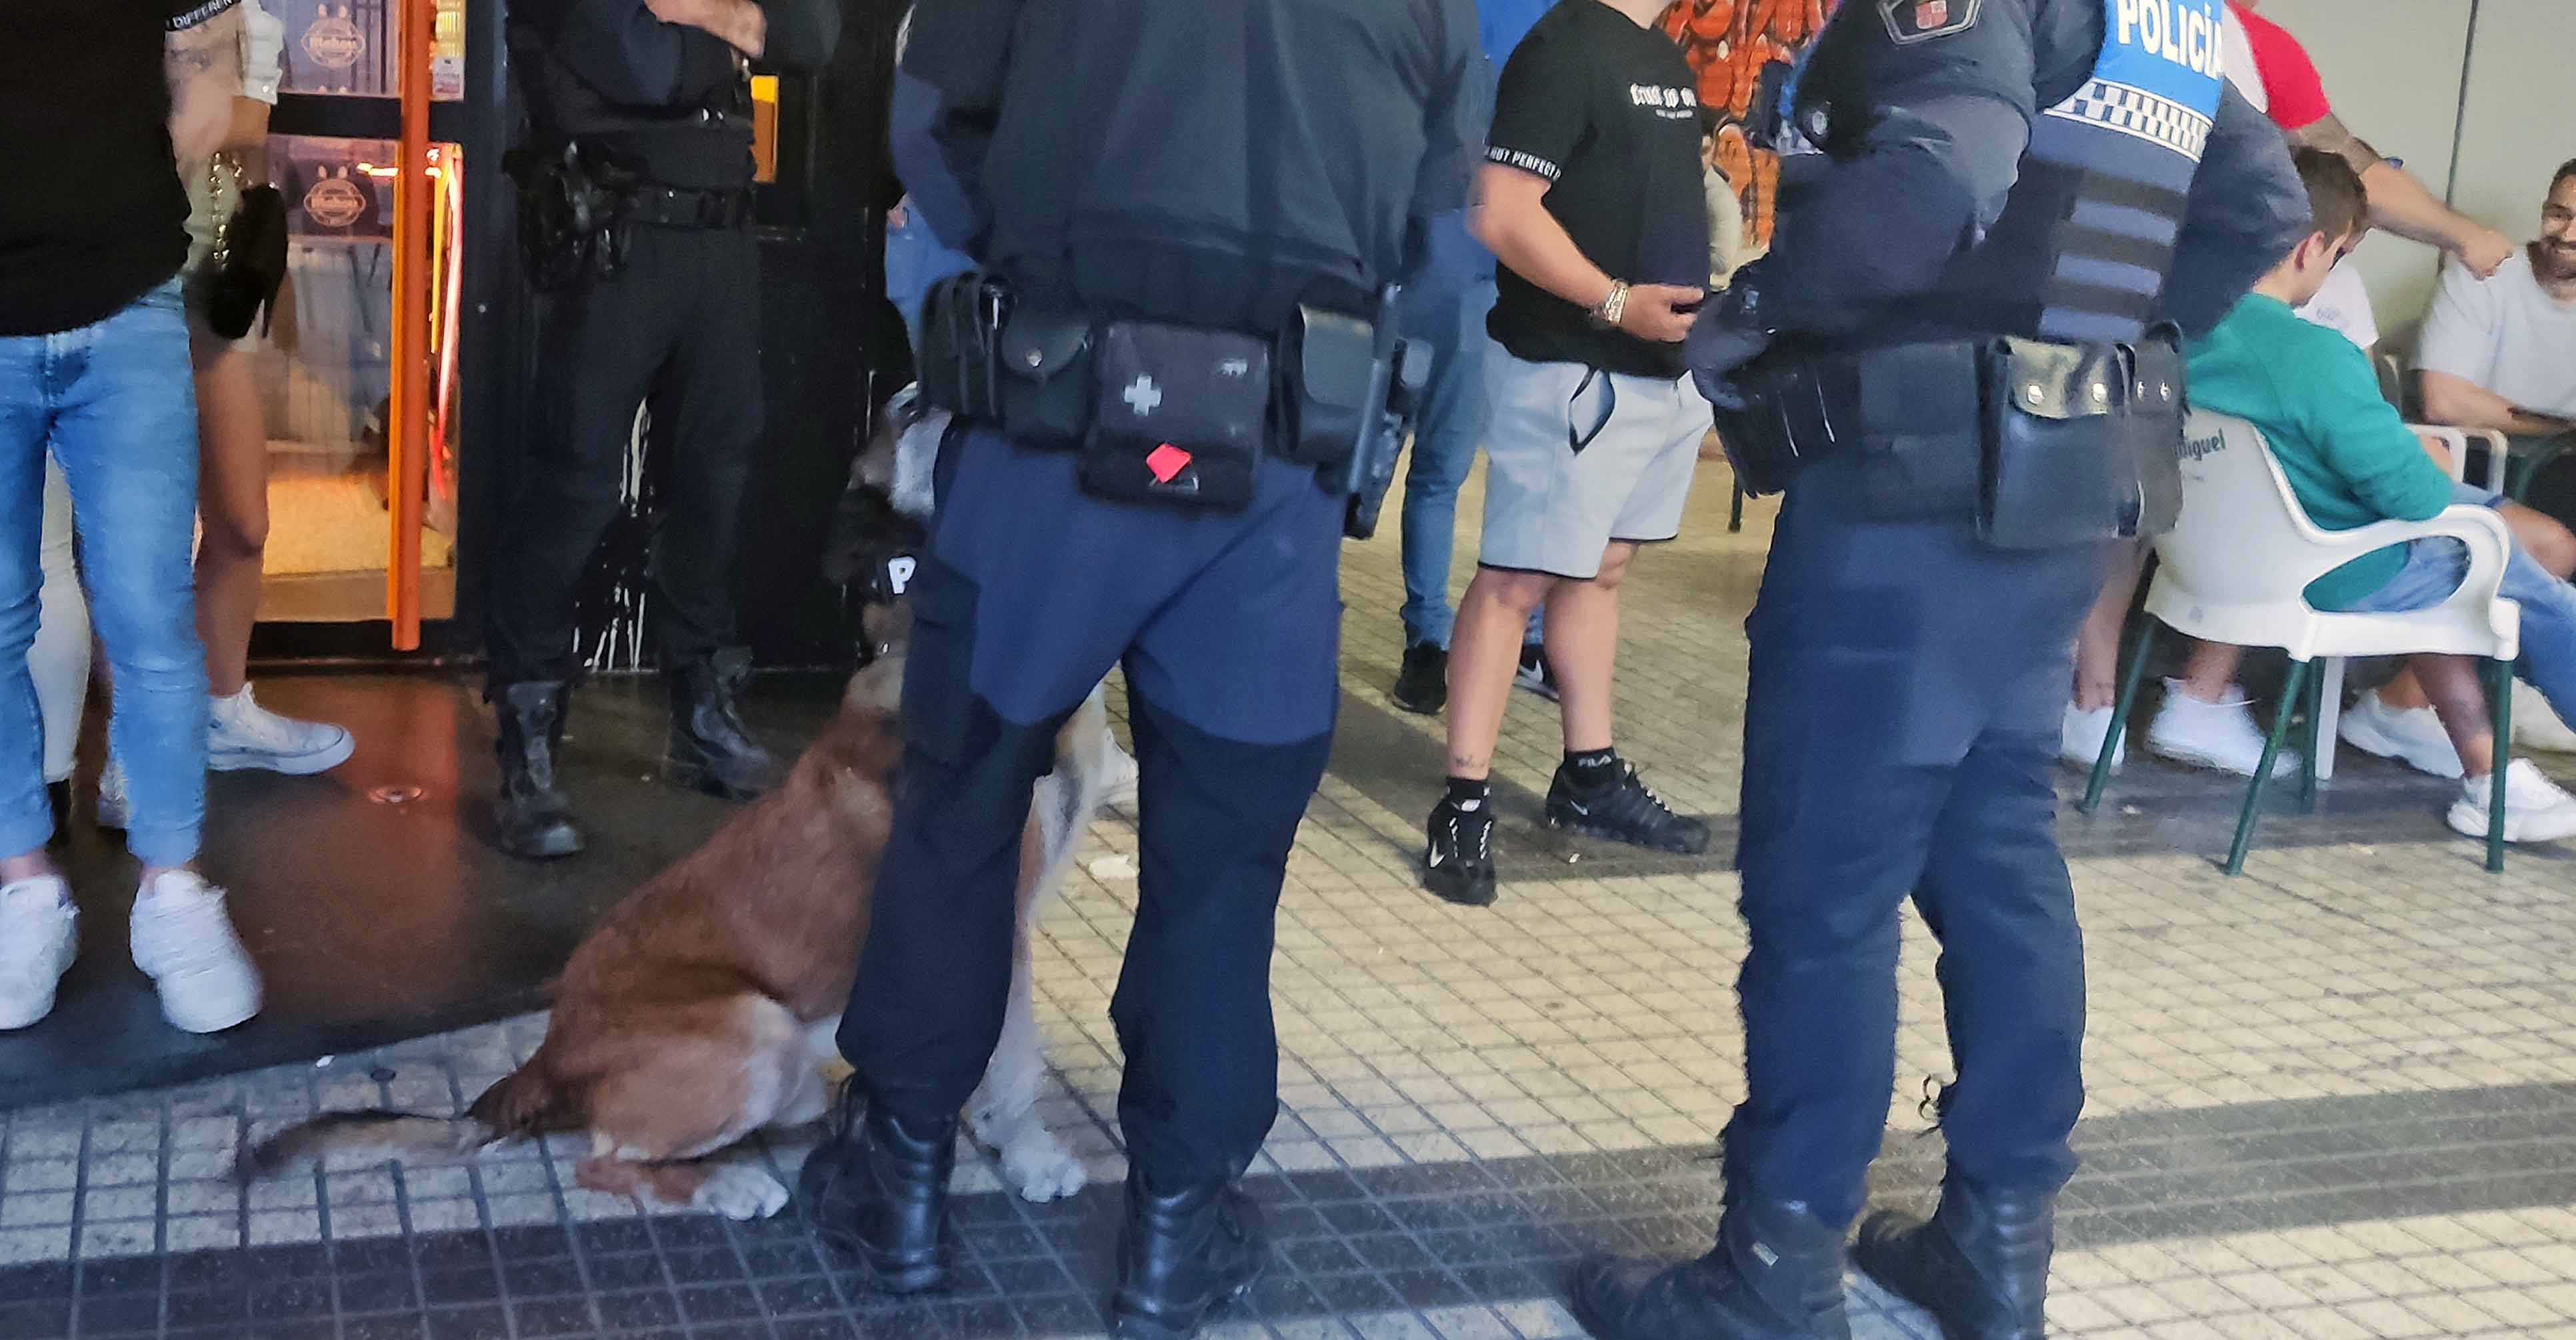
(1180, 415)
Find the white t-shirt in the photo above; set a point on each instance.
(2237, 51)
(2343, 306)
(2506, 334)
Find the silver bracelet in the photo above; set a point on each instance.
(1613, 307)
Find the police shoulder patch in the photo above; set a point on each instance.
(1911, 21)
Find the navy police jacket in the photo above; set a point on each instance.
(1205, 162)
(2073, 169)
(670, 99)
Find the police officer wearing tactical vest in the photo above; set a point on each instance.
(1994, 214)
(635, 217)
(1167, 377)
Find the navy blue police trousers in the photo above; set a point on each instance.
(1227, 625)
(1900, 738)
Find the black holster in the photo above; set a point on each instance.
(2042, 444)
(574, 202)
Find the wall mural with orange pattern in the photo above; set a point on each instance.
(1728, 42)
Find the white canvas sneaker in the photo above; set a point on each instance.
(2535, 809)
(39, 933)
(241, 734)
(184, 941)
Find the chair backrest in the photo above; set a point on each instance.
(2392, 379)
(2241, 538)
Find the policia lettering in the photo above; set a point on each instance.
(2186, 33)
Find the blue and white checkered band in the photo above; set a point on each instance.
(2135, 111)
(2160, 74)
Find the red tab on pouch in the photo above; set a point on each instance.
(1166, 462)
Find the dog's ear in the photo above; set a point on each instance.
(876, 463)
(877, 687)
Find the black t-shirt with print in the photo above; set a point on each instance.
(1607, 111)
(92, 215)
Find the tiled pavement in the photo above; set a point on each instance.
(2336, 1097)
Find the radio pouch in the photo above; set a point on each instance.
(2056, 468)
(1330, 358)
(1180, 416)
(2153, 429)
(959, 362)
(1046, 389)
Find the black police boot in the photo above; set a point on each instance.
(1185, 1255)
(710, 750)
(1979, 1265)
(1620, 808)
(1422, 684)
(903, 1197)
(533, 818)
(1776, 1273)
(1458, 863)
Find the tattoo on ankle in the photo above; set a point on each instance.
(1461, 763)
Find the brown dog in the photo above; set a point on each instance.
(698, 1011)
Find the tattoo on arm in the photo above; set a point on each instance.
(202, 63)
(211, 48)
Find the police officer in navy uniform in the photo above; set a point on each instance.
(641, 110)
(1142, 183)
(1968, 391)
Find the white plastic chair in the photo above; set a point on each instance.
(2234, 570)
(2455, 443)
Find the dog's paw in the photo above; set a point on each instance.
(739, 1192)
(1039, 1167)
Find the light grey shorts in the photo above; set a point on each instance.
(1577, 458)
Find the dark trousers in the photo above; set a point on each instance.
(680, 326)
(1899, 740)
(1228, 626)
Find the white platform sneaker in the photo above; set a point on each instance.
(184, 942)
(39, 933)
(2535, 808)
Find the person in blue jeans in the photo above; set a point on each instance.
(915, 260)
(1446, 306)
(94, 371)
(2351, 460)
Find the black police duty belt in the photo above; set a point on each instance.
(680, 207)
(1803, 406)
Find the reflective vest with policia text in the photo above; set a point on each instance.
(2086, 238)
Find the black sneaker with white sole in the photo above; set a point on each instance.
(1535, 674)
(1623, 810)
(1459, 862)
(1422, 684)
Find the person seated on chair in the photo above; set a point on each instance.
(2499, 352)
(2351, 460)
(2205, 719)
